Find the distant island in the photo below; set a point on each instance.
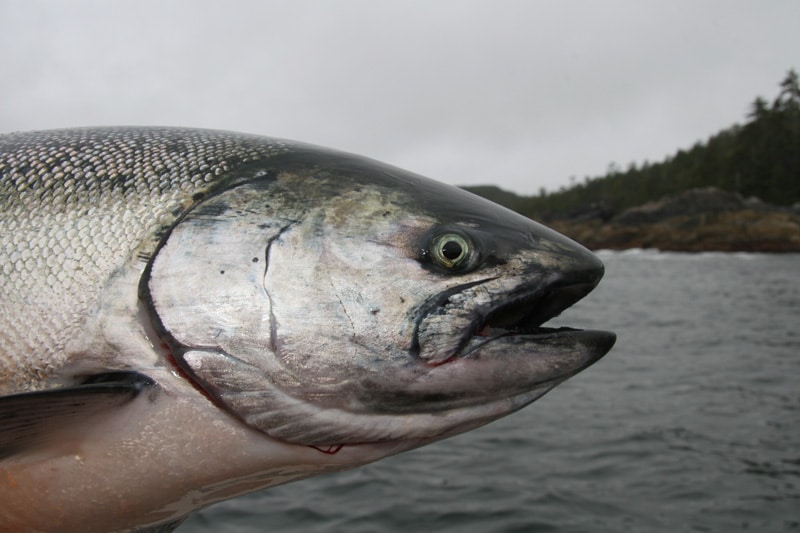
(738, 191)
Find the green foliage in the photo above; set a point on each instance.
(760, 158)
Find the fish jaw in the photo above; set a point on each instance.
(540, 285)
(493, 359)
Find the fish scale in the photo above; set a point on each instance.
(75, 203)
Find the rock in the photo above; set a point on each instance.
(691, 202)
(696, 220)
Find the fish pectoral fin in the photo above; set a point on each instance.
(32, 419)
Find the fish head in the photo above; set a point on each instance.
(331, 300)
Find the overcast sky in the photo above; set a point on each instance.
(518, 94)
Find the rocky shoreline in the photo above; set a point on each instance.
(693, 221)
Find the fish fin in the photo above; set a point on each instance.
(30, 419)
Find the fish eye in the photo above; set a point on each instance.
(451, 251)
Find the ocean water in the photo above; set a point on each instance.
(691, 423)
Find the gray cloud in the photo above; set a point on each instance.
(519, 94)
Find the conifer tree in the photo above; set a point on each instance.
(760, 158)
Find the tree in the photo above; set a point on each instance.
(789, 97)
(758, 109)
(760, 158)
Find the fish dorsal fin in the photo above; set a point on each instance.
(31, 419)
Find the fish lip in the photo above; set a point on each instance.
(599, 341)
(518, 312)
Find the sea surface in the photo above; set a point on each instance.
(691, 423)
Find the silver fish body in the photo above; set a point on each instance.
(190, 315)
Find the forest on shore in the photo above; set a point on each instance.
(752, 169)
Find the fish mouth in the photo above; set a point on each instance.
(490, 323)
(525, 315)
